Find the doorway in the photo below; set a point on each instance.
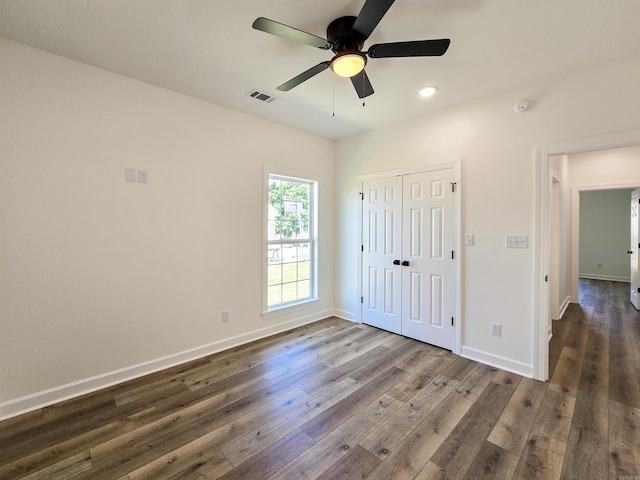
(543, 247)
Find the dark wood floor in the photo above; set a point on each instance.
(337, 400)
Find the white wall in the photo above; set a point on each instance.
(605, 226)
(602, 168)
(497, 148)
(102, 279)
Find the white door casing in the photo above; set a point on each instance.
(381, 235)
(422, 304)
(635, 247)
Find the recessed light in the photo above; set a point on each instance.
(428, 91)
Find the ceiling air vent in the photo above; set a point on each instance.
(258, 95)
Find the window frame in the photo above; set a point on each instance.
(312, 240)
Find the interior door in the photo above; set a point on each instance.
(635, 246)
(381, 235)
(428, 271)
(408, 270)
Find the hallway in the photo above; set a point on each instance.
(595, 358)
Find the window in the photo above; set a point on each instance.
(291, 243)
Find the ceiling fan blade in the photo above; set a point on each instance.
(418, 48)
(362, 84)
(369, 17)
(290, 33)
(304, 76)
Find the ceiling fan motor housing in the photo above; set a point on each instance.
(341, 36)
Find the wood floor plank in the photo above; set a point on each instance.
(385, 438)
(544, 452)
(492, 463)
(333, 446)
(273, 458)
(476, 381)
(514, 425)
(201, 452)
(151, 389)
(417, 448)
(564, 378)
(349, 350)
(139, 447)
(263, 435)
(55, 454)
(211, 419)
(431, 471)
(61, 428)
(219, 370)
(384, 359)
(577, 337)
(560, 331)
(586, 456)
(26, 422)
(424, 354)
(624, 384)
(64, 469)
(624, 441)
(352, 367)
(456, 454)
(507, 379)
(458, 369)
(433, 367)
(357, 463)
(331, 418)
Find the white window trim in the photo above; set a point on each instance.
(278, 310)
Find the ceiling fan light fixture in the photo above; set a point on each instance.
(348, 64)
(429, 91)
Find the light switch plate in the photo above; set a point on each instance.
(469, 240)
(130, 174)
(516, 241)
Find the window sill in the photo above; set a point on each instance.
(299, 307)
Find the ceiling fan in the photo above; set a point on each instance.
(346, 37)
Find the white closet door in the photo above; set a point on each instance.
(428, 281)
(408, 275)
(382, 224)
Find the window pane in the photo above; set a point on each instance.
(274, 254)
(289, 292)
(275, 275)
(274, 296)
(303, 270)
(303, 289)
(289, 273)
(289, 209)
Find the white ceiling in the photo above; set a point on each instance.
(207, 49)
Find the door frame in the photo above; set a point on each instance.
(574, 261)
(634, 246)
(456, 168)
(542, 156)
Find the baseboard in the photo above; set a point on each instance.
(343, 314)
(48, 397)
(564, 306)
(497, 361)
(608, 278)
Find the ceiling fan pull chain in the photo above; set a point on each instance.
(333, 92)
